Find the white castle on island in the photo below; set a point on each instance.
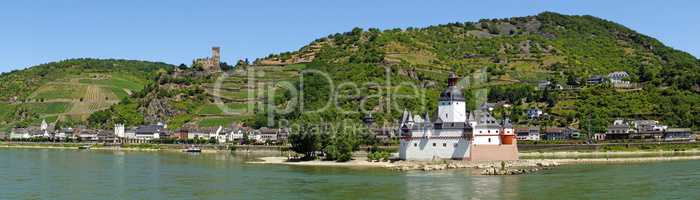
(454, 134)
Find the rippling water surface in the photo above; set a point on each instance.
(74, 174)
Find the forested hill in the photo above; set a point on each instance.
(70, 90)
(511, 56)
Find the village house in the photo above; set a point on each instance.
(620, 129)
(65, 134)
(202, 133)
(545, 84)
(19, 134)
(283, 135)
(528, 133)
(534, 113)
(677, 134)
(618, 77)
(556, 133)
(150, 132)
(594, 80)
(560, 133)
(180, 134)
(267, 135)
(106, 136)
(141, 134)
(647, 129)
(88, 135)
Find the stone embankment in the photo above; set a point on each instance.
(489, 167)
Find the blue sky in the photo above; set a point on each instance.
(40, 31)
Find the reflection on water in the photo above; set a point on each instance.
(74, 174)
(459, 184)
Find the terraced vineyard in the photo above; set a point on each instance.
(69, 90)
(241, 93)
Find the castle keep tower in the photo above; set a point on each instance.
(452, 107)
(216, 55)
(210, 63)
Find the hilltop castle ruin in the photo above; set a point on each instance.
(210, 63)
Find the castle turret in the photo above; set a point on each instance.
(452, 106)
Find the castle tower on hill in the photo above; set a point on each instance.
(211, 63)
(216, 54)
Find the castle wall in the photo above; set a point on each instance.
(434, 148)
(487, 135)
(487, 140)
(493, 152)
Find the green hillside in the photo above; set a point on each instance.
(195, 98)
(70, 90)
(387, 71)
(507, 57)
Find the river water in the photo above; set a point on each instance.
(75, 174)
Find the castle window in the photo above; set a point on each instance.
(489, 140)
(496, 131)
(444, 144)
(415, 144)
(434, 144)
(489, 131)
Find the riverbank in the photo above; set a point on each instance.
(607, 154)
(521, 166)
(97, 147)
(271, 155)
(487, 167)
